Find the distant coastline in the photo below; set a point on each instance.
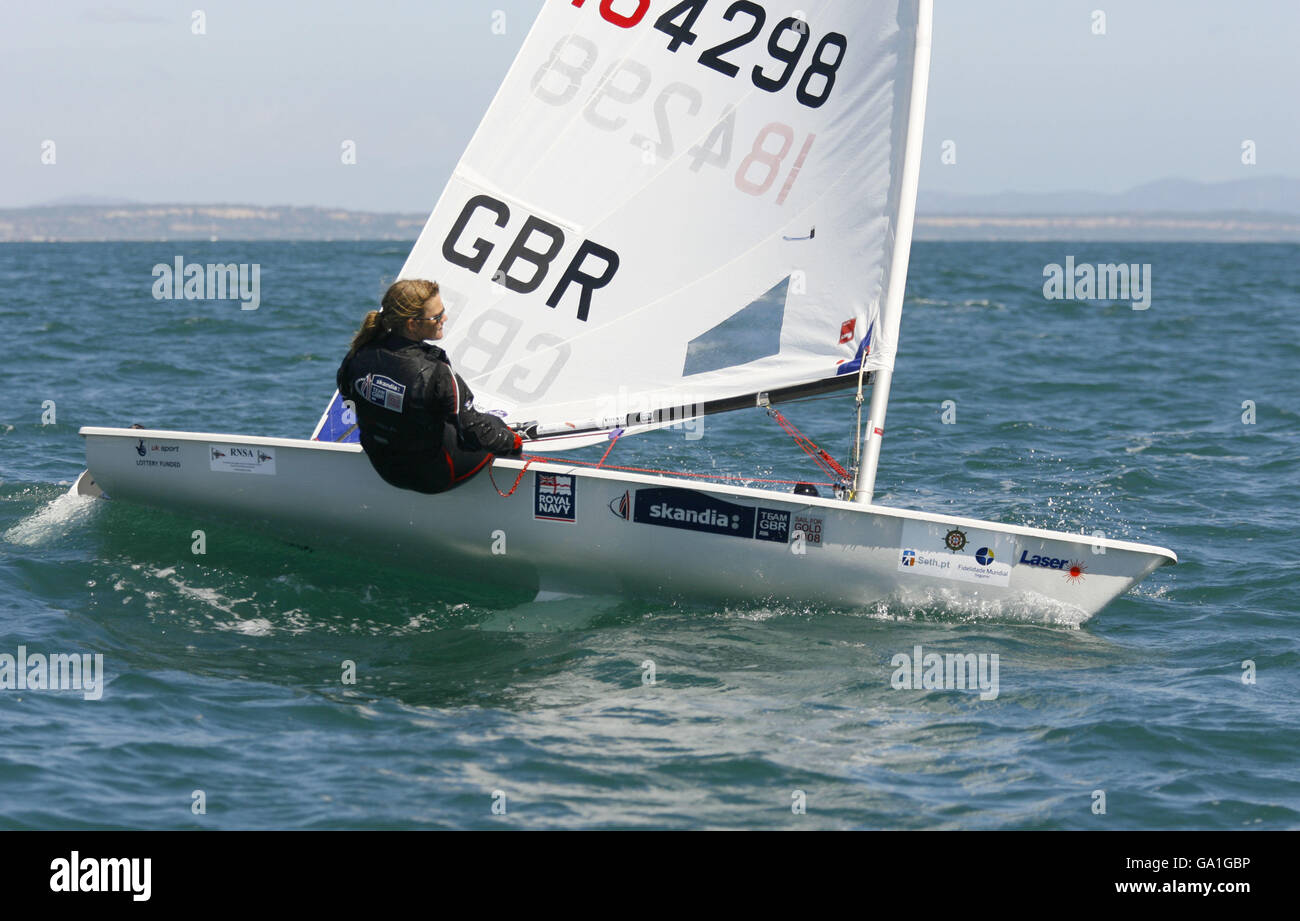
(167, 222)
(1260, 210)
(1230, 227)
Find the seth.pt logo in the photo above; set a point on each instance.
(102, 874)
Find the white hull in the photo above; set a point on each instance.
(630, 534)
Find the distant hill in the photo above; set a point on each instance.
(88, 200)
(95, 222)
(1270, 194)
(1211, 227)
(1266, 209)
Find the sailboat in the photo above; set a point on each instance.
(670, 209)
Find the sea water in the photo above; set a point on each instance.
(267, 685)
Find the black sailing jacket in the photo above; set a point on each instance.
(417, 418)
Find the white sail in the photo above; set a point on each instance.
(671, 203)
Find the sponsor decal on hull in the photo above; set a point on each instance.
(773, 525)
(1074, 570)
(963, 554)
(685, 509)
(555, 497)
(813, 528)
(160, 454)
(241, 459)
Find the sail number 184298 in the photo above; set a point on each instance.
(562, 76)
(786, 44)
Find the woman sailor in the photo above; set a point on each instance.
(417, 418)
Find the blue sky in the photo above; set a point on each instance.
(254, 111)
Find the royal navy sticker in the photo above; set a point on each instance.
(242, 459)
(554, 497)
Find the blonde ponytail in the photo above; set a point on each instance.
(403, 301)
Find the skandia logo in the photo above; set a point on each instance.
(621, 506)
(689, 510)
(383, 391)
(706, 516)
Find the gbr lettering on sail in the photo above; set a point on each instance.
(537, 244)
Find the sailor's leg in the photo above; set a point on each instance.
(461, 464)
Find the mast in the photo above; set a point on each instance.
(891, 311)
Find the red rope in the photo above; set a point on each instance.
(827, 463)
(823, 460)
(519, 479)
(570, 462)
(613, 441)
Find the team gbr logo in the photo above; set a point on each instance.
(555, 497)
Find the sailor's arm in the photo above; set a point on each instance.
(482, 431)
(491, 432)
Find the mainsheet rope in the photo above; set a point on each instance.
(823, 460)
